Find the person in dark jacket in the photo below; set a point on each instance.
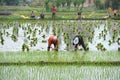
(42, 15)
(32, 15)
(79, 15)
(77, 41)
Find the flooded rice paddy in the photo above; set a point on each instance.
(33, 35)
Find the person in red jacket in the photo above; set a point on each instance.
(115, 12)
(53, 40)
(54, 12)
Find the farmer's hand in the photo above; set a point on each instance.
(56, 49)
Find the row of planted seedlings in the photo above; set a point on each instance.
(90, 29)
(107, 30)
(86, 29)
(27, 29)
(68, 29)
(3, 27)
(114, 34)
(36, 32)
(76, 28)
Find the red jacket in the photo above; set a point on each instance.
(53, 40)
(115, 11)
(54, 10)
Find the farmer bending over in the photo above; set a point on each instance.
(53, 40)
(77, 41)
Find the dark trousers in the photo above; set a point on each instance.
(53, 15)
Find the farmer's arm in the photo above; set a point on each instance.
(56, 45)
(82, 43)
(49, 44)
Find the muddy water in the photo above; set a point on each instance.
(10, 45)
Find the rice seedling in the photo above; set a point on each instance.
(101, 47)
(104, 36)
(25, 47)
(14, 37)
(2, 40)
(34, 33)
(33, 42)
(43, 36)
